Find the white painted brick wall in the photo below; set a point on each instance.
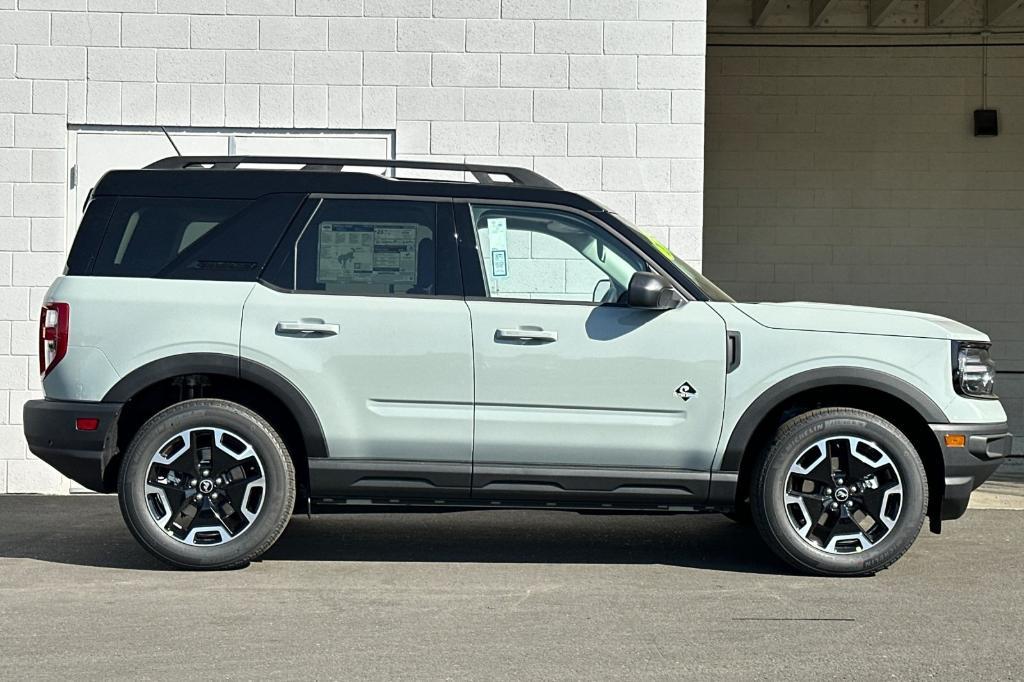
(588, 92)
(853, 176)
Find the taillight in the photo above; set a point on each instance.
(53, 335)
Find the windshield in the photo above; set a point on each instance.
(709, 288)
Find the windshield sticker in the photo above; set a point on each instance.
(497, 236)
(499, 264)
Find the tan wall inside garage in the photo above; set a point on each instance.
(851, 175)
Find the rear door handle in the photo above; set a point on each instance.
(529, 335)
(308, 328)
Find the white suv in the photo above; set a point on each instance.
(231, 342)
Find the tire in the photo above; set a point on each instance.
(810, 510)
(221, 449)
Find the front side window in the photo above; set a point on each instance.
(545, 254)
(369, 248)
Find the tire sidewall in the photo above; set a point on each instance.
(279, 491)
(793, 443)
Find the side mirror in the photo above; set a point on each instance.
(652, 291)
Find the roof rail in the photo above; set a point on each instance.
(485, 175)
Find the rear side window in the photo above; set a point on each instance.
(361, 247)
(146, 234)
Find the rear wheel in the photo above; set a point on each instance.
(207, 484)
(840, 492)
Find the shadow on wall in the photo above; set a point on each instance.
(88, 531)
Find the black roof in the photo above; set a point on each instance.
(222, 177)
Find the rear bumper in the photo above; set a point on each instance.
(82, 456)
(969, 466)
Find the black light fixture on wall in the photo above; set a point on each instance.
(986, 121)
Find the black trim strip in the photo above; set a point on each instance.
(397, 480)
(367, 478)
(313, 438)
(555, 483)
(171, 366)
(376, 505)
(229, 365)
(821, 378)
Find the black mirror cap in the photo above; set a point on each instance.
(652, 291)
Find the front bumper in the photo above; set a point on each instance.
(82, 456)
(969, 466)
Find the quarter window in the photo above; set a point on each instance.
(535, 253)
(145, 234)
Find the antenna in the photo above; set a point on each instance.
(169, 139)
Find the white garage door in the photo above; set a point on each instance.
(93, 152)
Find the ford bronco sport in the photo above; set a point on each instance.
(233, 341)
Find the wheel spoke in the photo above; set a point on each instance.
(228, 515)
(242, 473)
(825, 526)
(839, 458)
(182, 521)
(205, 486)
(169, 479)
(865, 460)
(843, 494)
(813, 465)
(882, 504)
(201, 449)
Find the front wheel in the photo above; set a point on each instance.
(207, 484)
(841, 492)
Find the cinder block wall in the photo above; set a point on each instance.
(605, 96)
(853, 176)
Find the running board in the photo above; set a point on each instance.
(346, 505)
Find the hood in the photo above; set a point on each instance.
(851, 319)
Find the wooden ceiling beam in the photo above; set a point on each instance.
(998, 10)
(940, 10)
(763, 8)
(820, 10)
(880, 10)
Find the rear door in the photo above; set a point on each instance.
(362, 311)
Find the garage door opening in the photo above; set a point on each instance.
(842, 164)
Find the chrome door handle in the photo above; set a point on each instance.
(534, 335)
(307, 328)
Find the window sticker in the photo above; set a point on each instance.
(366, 253)
(499, 264)
(497, 235)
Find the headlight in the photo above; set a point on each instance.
(974, 372)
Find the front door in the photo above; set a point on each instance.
(578, 396)
(364, 314)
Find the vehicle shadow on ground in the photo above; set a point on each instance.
(88, 531)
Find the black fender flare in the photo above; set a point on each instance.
(270, 380)
(821, 378)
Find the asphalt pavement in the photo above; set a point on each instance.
(499, 595)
